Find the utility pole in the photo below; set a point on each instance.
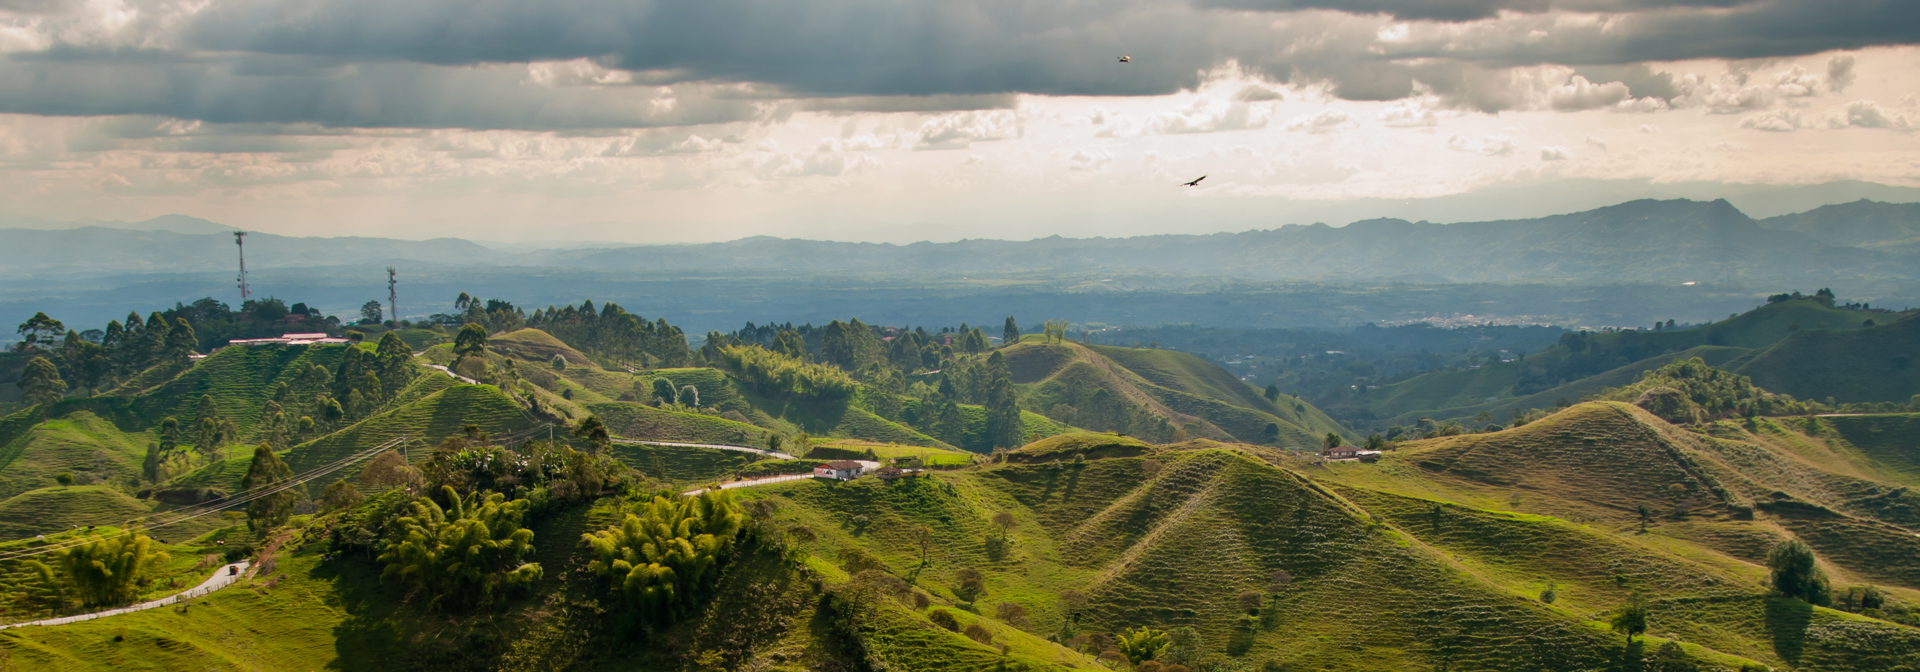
(240, 239)
(393, 297)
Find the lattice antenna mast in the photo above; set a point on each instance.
(240, 239)
(393, 296)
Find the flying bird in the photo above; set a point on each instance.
(1195, 182)
(1126, 59)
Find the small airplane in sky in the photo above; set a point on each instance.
(1195, 182)
(1126, 59)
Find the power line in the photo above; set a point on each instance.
(215, 506)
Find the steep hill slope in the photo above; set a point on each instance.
(1881, 363)
(1562, 370)
(1151, 393)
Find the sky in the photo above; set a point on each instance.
(890, 121)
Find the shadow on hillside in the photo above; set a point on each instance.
(368, 638)
(1787, 623)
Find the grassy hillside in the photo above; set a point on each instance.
(1881, 363)
(426, 422)
(1542, 378)
(58, 509)
(684, 466)
(1153, 393)
(636, 421)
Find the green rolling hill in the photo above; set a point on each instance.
(1582, 364)
(1152, 393)
(1880, 363)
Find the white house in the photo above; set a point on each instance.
(839, 470)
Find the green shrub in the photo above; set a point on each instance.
(944, 619)
(659, 559)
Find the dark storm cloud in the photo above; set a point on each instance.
(365, 95)
(1463, 10)
(460, 63)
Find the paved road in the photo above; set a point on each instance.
(864, 467)
(716, 446)
(461, 378)
(222, 577)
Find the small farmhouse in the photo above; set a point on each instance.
(1341, 453)
(839, 470)
(291, 339)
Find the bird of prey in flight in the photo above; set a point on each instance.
(1195, 182)
(1126, 59)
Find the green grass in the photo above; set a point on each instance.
(938, 457)
(425, 422)
(640, 422)
(1890, 441)
(1089, 444)
(1877, 364)
(1186, 391)
(58, 509)
(682, 465)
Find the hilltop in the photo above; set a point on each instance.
(1583, 363)
(1865, 365)
(1100, 387)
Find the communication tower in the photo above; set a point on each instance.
(240, 239)
(393, 296)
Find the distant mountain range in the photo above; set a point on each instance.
(1645, 240)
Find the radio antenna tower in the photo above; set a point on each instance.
(240, 239)
(393, 297)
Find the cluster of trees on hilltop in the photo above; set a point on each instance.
(1690, 391)
(90, 358)
(613, 334)
(860, 348)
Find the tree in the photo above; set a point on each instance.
(1140, 645)
(1271, 434)
(595, 433)
(1011, 334)
(1273, 393)
(1796, 572)
(371, 312)
(463, 302)
(1376, 442)
(663, 392)
(472, 340)
(789, 343)
(264, 474)
(923, 537)
(559, 362)
(465, 553)
(1631, 620)
(1003, 409)
(65, 479)
(973, 584)
(1249, 601)
(1550, 593)
(108, 571)
(169, 435)
(339, 495)
(39, 333)
(388, 469)
(1003, 520)
(1646, 516)
(690, 396)
(41, 382)
(1331, 441)
(150, 467)
(660, 559)
(1011, 613)
(181, 341)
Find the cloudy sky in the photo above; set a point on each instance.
(892, 120)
